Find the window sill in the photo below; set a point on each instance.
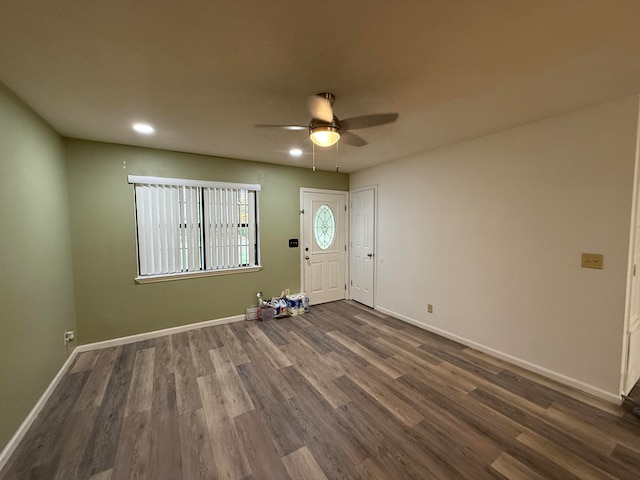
(183, 276)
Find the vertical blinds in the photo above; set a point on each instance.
(230, 232)
(200, 226)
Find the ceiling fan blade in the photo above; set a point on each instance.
(286, 127)
(320, 108)
(352, 139)
(366, 121)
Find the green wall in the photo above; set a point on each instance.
(36, 286)
(108, 301)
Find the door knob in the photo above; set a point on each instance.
(306, 257)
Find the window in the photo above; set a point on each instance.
(324, 226)
(194, 228)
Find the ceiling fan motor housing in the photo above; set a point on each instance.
(317, 124)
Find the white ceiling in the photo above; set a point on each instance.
(204, 72)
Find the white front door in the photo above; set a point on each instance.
(324, 245)
(362, 245)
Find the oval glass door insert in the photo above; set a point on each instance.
(324, 226)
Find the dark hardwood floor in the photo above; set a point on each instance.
(342, 392)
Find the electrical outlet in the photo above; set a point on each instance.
(429, 308)
(69, 336)
(286, 291)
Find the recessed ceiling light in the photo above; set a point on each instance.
(143, 128)
(295, 152)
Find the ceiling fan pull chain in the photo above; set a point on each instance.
(313, 146)
(337, 168)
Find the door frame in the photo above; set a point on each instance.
(375, 238)
(303, 190)
(626, 338)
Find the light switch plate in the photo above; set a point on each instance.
(593, 260)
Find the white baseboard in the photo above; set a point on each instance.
(157, 333)
(35, 411)
(558, 377)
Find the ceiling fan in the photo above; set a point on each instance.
(325, 129)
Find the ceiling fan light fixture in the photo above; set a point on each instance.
(324, 135)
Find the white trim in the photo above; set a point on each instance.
(114, 342)
(301, 239)
(200, 273)
(322, 190)
(559, 377)
(347, 242)
(10, 448)
(183, 182)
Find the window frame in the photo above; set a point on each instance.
(203, 230)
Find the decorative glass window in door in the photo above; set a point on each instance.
(324, 227)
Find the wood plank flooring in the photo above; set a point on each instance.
(342, 392)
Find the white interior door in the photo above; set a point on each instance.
(632, 375)
(633, 369)
(362, 254)
(324, 245)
